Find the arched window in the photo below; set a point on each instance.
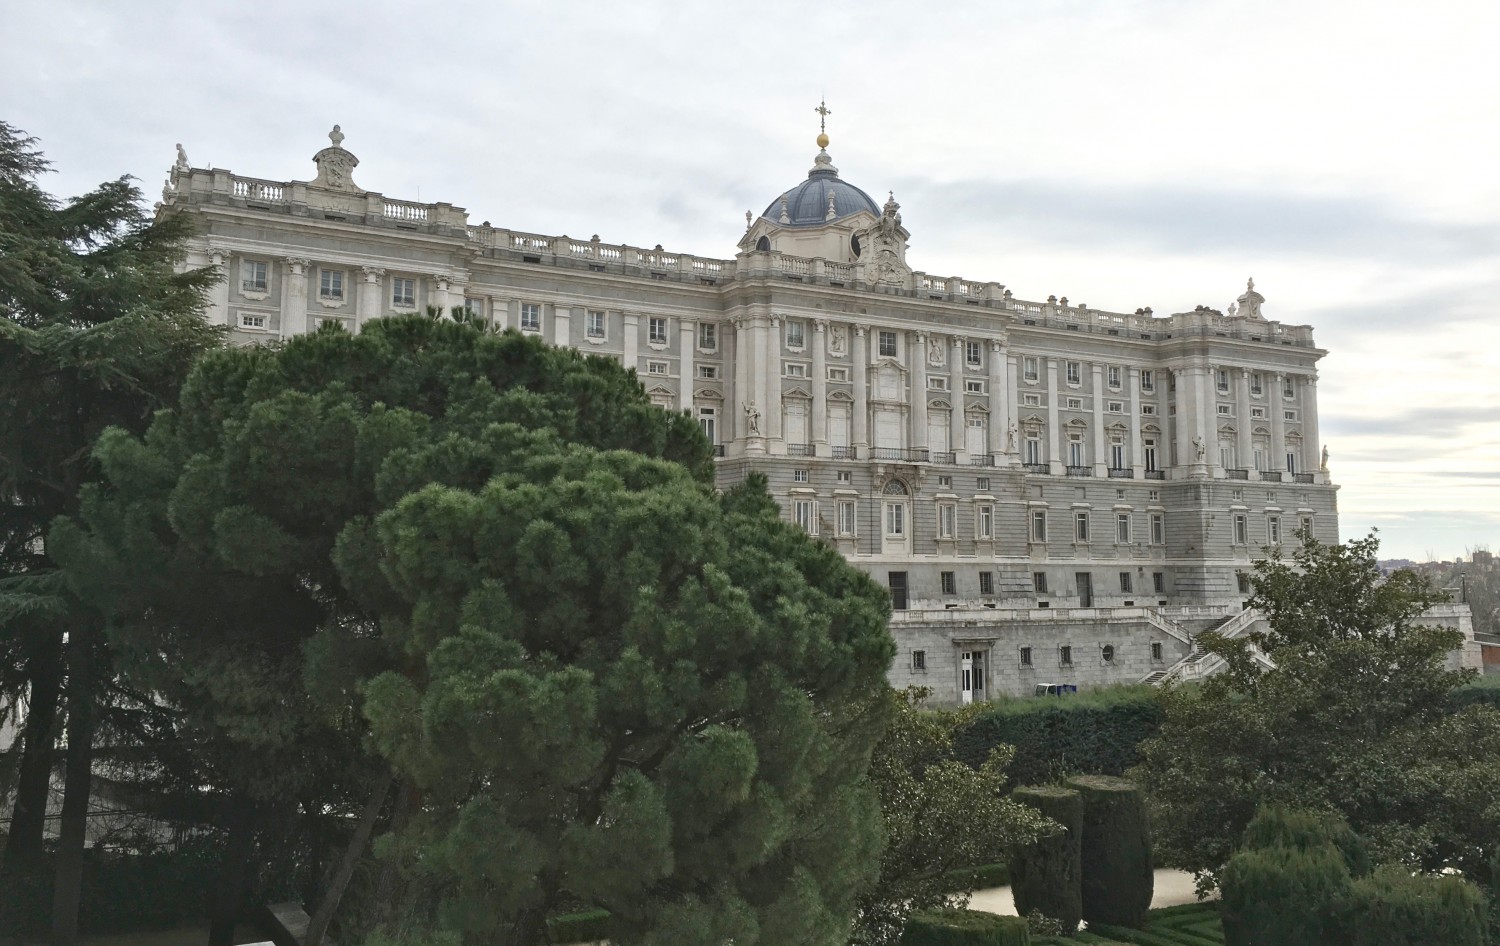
(763, 244)
(895, 488)
(854, 246)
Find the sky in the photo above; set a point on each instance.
(1126, 154)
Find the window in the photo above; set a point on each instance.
(1029, 370)
(1259, 412)
(1081, 526)
(1289, 415)
(1117, 454)
(842, 476)
(1158, 528)
(1033, 450)
(1031, 400)
(919, 660)
(331, 284)
(1039, 525)
(1154, 495)
(1122, 528)
(656, 367)
(1224, 410)
(799, 476)
(973, 354)
(1039, 582)
(1074, 403)
(838, 374)
(937, 382)
(1148, 379)
(594, 324)
(806, 514)
(1125, 583)
(1243, 582)
(1159, 582)
(895, 520)
(1156, 651)
(1241, 529)
(1107, 653)
(1305, 524)
(796, 334)
(1148, 410)
(1273, 530)
(887, 344)
(475, 306)
(708, 372)
(1075, 450)
(531, 317)
(949, 583)
(253, 276)
(896, 581)
(1257, 387)
(707, 419)
(1065, 655)
(656, 330)
(1115, 407)
(945, 481)
(947, 520)
(973, 386)
(1221, 380)
(1112, 374)
(846, 517)
(1239, 495)
(708, 336)
(986, 583)
(1288, 388)
(1075, 372)
(982, 483)
(253, 322)
(984, 521)
(794, 369)
(403, 291)
(1025, 656)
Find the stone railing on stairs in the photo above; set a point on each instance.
(1199, 664)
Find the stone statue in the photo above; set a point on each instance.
(182, 159)
(1324, 465)
(752, 414)
(1010, 438)
(838, 337)
(934, 350)
(1198, 447)
(1250, 301)
(336, 136)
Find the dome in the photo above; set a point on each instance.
(807, 203)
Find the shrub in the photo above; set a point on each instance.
(1092, 733)
(1282, 896)
(964, 928)
(122, 893)
(978, 878)
(1115, 848)
(1275, 826)
(588, 927)
(1045, 875)
(1393, 908)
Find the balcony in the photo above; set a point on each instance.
(1156, 474)
(841, 453)
(1271, 476)
(1121, 473)
(942, 458)
(981, 459)
(1042, 468)
(1302, 477)
(898, 453)
(1237, 474)
(1080, 471)
(801, 450)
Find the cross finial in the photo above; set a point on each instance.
(823, 112)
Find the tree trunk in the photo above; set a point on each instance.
(234, 871)
(407, 801)
(352, 854)
(34, 781)
(67, 889)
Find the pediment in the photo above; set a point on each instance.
(798, 392)
(709, 393)
(840, 396)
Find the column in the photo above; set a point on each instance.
(1013, 408)
(916, 362)
(861, 431)
(732, 424)
(294, 299)
(562, 317)
(218, 296)
(1277, 409)
(1243, 445)
(367, 306)
(687, 371)
(440, 295)
(1054, 425)
(1165, 419)
(957, 432)
(1312, 449)
(771, 372)
(631, 341)
(999, 421)
(1137, 450)
(1101, 459)
(820, 387)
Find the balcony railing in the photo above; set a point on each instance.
(1156, 474)
(1303, 477)
(841, 453)
(942, 458)
(1037, 467)
(981, 459)
(898, 453)
(1080, 471)
(1121, 473)
(1271, 476)
(1237, 474)
(801, 450)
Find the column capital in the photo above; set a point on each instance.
(820, 325)
(774, 320)
(997, 344)
(958, 341)
(298, 264)
(372, 273)
(859, 331)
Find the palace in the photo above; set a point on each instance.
(1053, 493)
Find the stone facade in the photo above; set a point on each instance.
(1019, 473)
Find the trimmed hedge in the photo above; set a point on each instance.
(1274, 826)
(1046, 874)
(964, 928)
(1096, 732)
(1393, 908)
(587, 927)
(1117, 873)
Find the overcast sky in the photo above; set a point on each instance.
(1123, 154)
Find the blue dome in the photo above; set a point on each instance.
(807, 203)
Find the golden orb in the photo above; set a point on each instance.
(822, 141)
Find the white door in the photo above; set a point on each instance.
(975, 437)
(897, 526)
(971, 676)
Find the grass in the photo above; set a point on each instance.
(1193, 924)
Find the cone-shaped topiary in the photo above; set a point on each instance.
(1275, 826)
(964, 928)
(1117, 878)
(1046, 875)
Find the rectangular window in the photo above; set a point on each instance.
(656, 330)
(1031, 400)
(1025, 656)
(937, 382)
(1273, 530)
(594, 324)
(1039, 525)
(1148, 379)
(1080, 526)
(846, 517)
(896, 581)
(1148, 410)
(1257, 412)
(794, 369)
(1241, 529)
(973, 386)
(984, 521)
(708, 372)
(842, 476)
(945, 481)
(1305, 524)
(1125, 583)
(253, 276)
(1122, 528)
(986, 583)
(1065, 655)
(838, 374)
(1288, 388)
(1159, 582)
(799, 476)
(887, 344)
(1289, 415)
(708, 336)
(1075, 372)
(947, 520)
(1243, 581)
(796, 334)
(403, 292)
(1113, 373)
(982, 483)
(531, 317)
(949, 583)
(1075, 451)
(708, 420)
(1221, 380)
(1115, 407)
(1225, 410)
(973, 354)
(475, 306)
(1156, 651)
(656, 367)
(1117, 455)
(253, 322)
(331, 284)
(1257, 387)
(1033, 450)
(806, 513)
(1075, 403)
(1158, 528)
(919, 660)
(1039, 582)
(1029, 369)
(895, 520)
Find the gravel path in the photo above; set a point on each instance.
(1173, 887)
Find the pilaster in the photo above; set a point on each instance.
(294, 299)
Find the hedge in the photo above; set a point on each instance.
(1045, 875)
(1117, 875)
(1393, 908)
(977, 878)
(1274, 826)
(1282, 896)
(1095, 732)
(122, 893)
(964, 928)
(587, 927)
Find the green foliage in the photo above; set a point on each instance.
(1115, 850)
(587, 927)
(968, 879)
(1046, 873)
(1356, 718)
(964, 928)
(1392, 907)
(1282, 895)
(122, 893)
(1095, 732)
(1276, 826)
(941, 818)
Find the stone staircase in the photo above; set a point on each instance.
(1199, 663)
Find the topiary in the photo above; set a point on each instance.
(1046, 874)
(1276, 826)
(1117, 876)
(1284, 896)
(1392, 907)
(964, 928)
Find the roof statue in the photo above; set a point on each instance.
(335, 165)
(1249, 303)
